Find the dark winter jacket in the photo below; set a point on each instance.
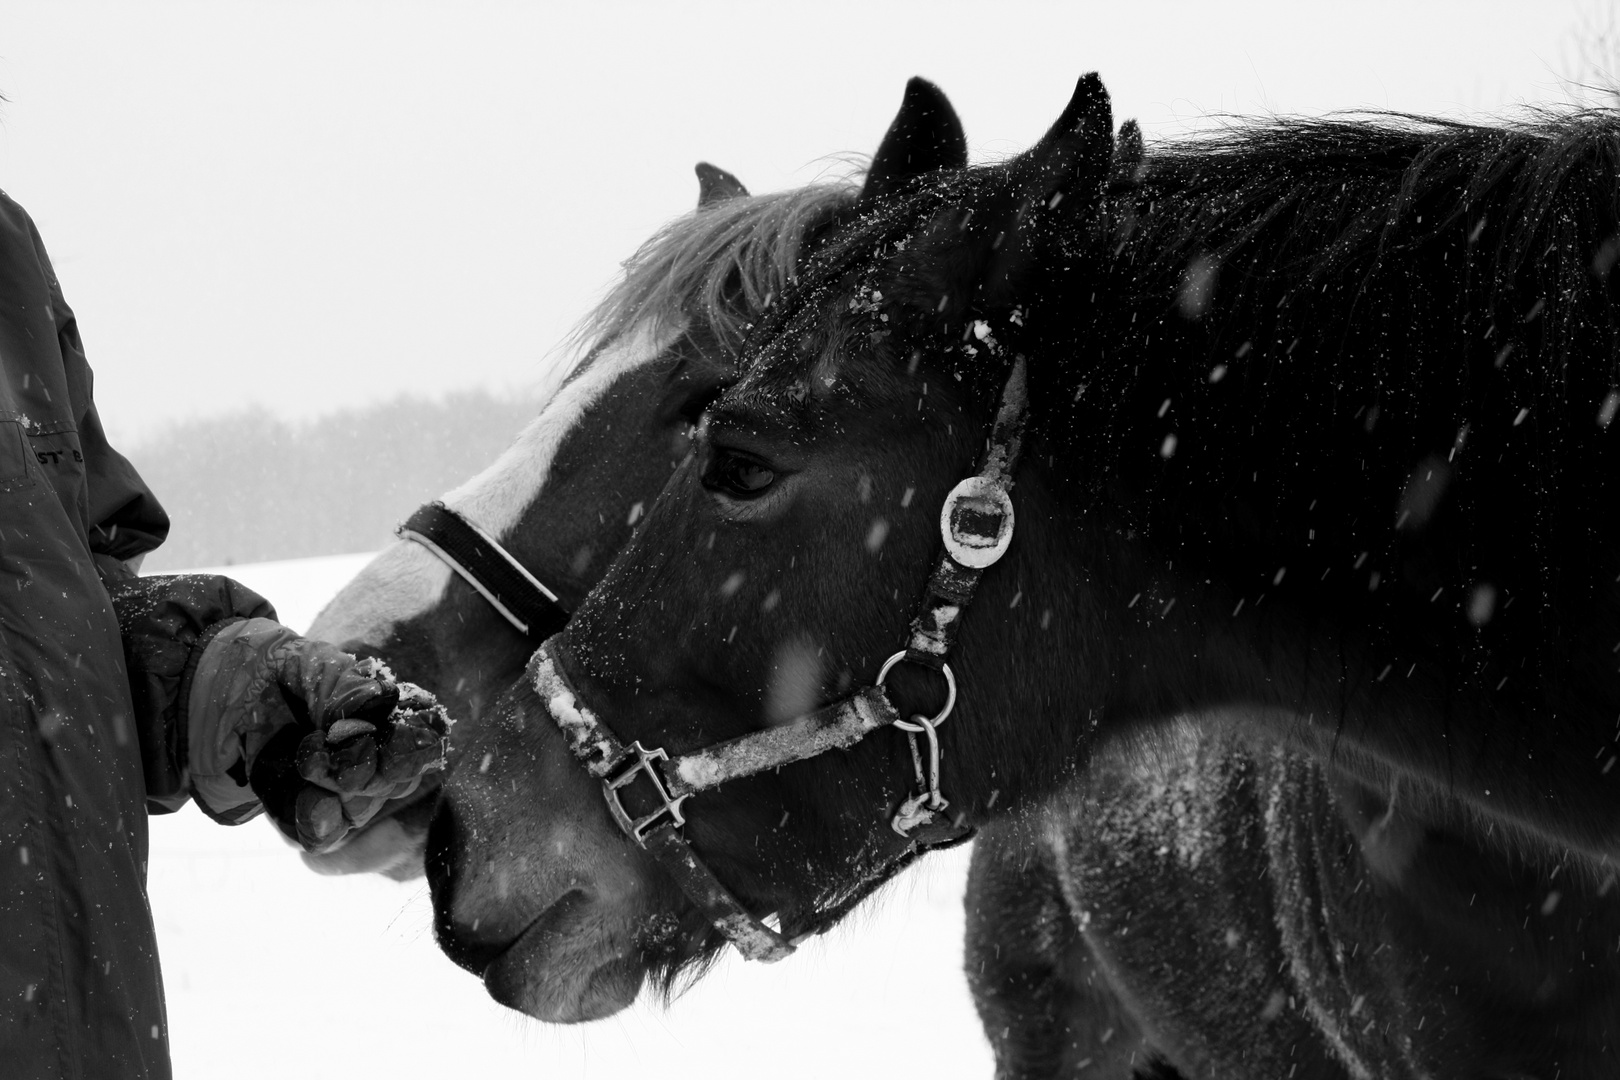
(91, 663)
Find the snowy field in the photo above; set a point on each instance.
(273, 971)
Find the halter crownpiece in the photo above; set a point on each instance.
(976, 525)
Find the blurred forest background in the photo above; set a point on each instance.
(250, 487)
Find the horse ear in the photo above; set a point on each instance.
(1073, 156)
(926, 135)
(979, 253)
(1071, 163)
(716, 185)
(1128, 152)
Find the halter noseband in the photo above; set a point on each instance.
(976, 524)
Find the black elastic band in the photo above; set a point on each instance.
(528, 605)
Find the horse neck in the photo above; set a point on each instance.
(1112, 640)
(1201, 577)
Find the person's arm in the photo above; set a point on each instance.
(242, 714)
(125, 519)
(231, 707)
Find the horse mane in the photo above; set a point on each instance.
(1362, 350)
(720, 264)
(1437, 275)
(1285, 206)
(1341, 192)
(1381, 353)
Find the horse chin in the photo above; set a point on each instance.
(595, 995)
(567, 967)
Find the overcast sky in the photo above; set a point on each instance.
(313, 205)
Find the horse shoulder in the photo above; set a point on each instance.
(1237, 900)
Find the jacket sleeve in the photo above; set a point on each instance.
(124, 520)
(160, 619)
(166, 622)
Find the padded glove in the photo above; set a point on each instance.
(320, 739)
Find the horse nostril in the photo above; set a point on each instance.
(439, 858)
(473, 955)
(443, 839)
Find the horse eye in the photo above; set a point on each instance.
(739, 476)
(693, 407)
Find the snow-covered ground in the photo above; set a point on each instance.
(273, 971)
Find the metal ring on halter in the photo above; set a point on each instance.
(950, 693)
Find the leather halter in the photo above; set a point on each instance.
(532, 609)
(976, 524)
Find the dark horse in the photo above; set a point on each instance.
(1293, 699)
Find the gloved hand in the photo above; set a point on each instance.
(321, 739)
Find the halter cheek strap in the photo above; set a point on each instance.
(976, 525)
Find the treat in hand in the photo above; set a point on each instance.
(320, 785)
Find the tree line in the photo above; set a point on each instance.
(249, 487)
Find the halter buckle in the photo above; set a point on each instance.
(639, 762)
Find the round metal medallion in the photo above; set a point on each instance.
(977, 522)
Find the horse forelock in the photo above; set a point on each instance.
(719, 265)
(795, 352)
(888, 285)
